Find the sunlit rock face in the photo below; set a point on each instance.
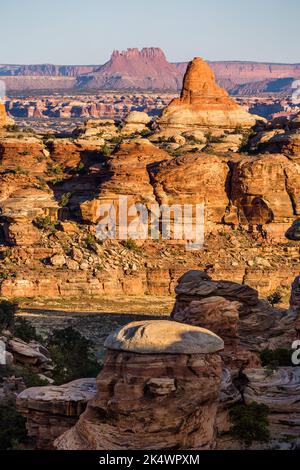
(158, 389)
(203, 103)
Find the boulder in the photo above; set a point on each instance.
(293, 232)
(51, 410)
(135, 122)
(163, 337)
(279, 390)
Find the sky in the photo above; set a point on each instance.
(86, 31)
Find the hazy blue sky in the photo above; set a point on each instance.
(86, 31)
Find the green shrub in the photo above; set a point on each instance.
(250, 423)
(8, 310)
(65, 199)
(80, 170)
(131, 245)
(92, 241)
(12, 429)
(146, 133)
(24, 330)
(54, 170)
(106, 150)
(280, 357)
(72, 356)
(12, 128)
(19, 171)
(275, 298)
(45, 223)
(30, 377)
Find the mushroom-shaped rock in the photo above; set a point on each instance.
(164, 337)
(135, 121)
(158, 389)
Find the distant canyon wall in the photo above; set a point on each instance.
(147, 69)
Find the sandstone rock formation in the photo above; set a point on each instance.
(22, 199)
(203, 104)
(295, 295)
(193, 179)
(279, 390)
(3, 116)
(287, 141)
(126, 175)
(264, 191)
(23, 154)
(152, 399)
(51, 410)
(145, 69)
(135, 122)
(217, 306)
(293, 232)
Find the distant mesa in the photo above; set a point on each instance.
(145, 69)
(148, 70)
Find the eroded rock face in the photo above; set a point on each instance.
(295, 295)
(203, 103)
(264, 194)
(22, 200)
(27, 154)
(127, 175)
(217, 305)
(193, 179)
(279, 390)
(154, 399)
(214, 313)
(135, 121)
(51, 410)
(4, 119)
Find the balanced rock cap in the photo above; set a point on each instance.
(163, 337)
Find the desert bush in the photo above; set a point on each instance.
(24, 330)
(54, 170)
(281, 357)
(131, 245)
(92, 241)
(45, 223)
(250, 423)
(12, 430)
(65, 199)
(8, 310)
(275, 298)
(72, 356)
(106, 150)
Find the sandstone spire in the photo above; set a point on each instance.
(3, 116)
(203, 104)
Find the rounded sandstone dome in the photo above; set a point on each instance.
(137, 117)
(163, 337)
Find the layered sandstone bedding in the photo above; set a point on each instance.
(52, 187)
(173, 383)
